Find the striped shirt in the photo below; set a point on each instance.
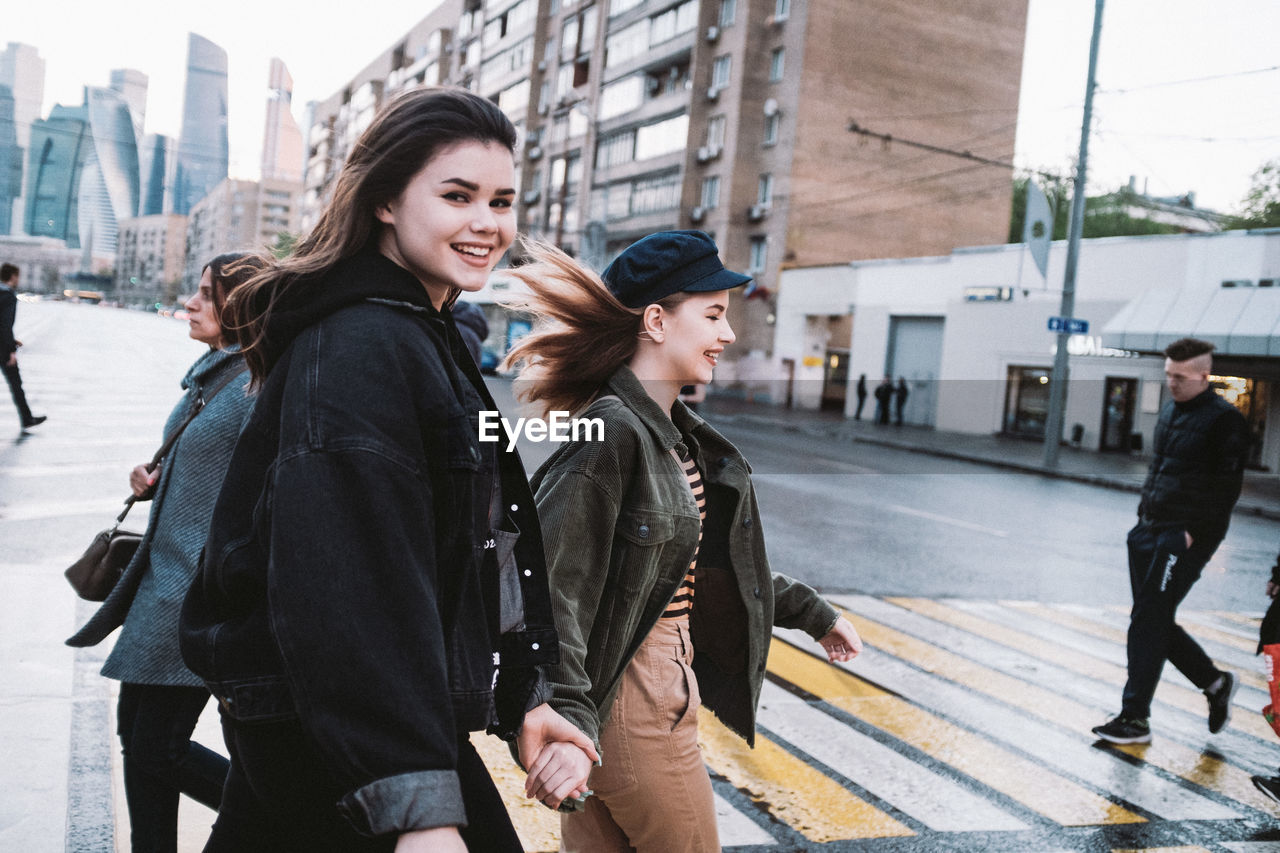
(682, 605)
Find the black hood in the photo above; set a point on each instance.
(303, 303)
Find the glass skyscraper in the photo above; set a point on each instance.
(202, 146)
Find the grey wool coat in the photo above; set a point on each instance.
(148, 598)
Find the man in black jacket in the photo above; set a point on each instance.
(1201, 443)
(9, 275)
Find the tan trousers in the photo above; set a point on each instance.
(652, 793)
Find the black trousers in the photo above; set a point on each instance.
(1162, 571)
(161, 761)
(281, 798)
(14, 378)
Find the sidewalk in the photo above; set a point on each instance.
(1260, 495)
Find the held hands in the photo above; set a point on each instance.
(143, 481)
(440, 839)
(557, 755)
(1272, 589)
(842, 642)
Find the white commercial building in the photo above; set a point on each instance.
(969, 333)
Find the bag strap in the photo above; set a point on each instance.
(202, 400)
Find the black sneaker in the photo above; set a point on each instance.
(1220, 702)
(1269, 785)
(36, 420)
(1124, 729)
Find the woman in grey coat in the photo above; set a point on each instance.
(160, 699)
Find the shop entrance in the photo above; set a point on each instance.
(1117, 412)
(835, 380)
(1251, 397)
(1026, 401)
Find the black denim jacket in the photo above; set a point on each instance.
(351, 579)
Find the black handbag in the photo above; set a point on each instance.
(99, 568)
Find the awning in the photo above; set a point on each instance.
(1240, 321)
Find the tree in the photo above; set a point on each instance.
(1104, 215)
(1262, 204)
(284, 244)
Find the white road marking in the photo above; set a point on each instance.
(954, 522)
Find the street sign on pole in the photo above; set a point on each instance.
(1068, 325)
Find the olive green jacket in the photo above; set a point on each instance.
(620, 528)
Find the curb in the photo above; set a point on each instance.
(1101, 480)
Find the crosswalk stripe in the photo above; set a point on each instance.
(1166, 754)
(817, 807)
(1251, 846)
(1184, 698)
(738, 830)
(967, 692)
(1114, 627)
(1023, 781)
(1112, 652)
(936, 802)
(1184, 849)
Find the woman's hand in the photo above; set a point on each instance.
(440, 839)
(142, 481)
(1272, 589)
(842, 642)
(546, 745)
(560, 772)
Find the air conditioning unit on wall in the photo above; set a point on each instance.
(697, 214)
(757, 212)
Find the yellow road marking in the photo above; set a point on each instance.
(1061, 710)
(1039, 789)
(1185, 698)
(1254, 622)
(1115, 635)
(817, 807)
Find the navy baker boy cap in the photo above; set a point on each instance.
(668, 262)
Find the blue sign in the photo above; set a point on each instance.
(1070, 325)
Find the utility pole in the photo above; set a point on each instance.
(1058, 384)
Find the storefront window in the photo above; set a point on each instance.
(1026, 404)
(1250, 396)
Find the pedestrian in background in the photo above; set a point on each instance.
(1269, 648)
(655, 617)
(884, 395)
(861, 391)
(900, 395)
(472, 325)
(160, 699)
(374, 586)
(10, 276)
(1201, 444)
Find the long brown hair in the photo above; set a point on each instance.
(229, 271)
(405, 134)
(581, 333)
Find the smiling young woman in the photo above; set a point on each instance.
(374, 584)
(654, 546)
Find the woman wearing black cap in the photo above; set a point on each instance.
(654, 545)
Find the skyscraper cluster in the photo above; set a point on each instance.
(76, 174)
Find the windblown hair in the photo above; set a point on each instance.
(404, 136)
(1184, 349)
(229, 271)
(8, 271)
(581, 332)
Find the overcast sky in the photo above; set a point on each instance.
(1207, 136)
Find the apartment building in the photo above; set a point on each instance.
(730, 116)
(239, 216)
(150, 251)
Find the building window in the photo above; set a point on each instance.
(777, 60)
(720, 71)
(759, 254)
(715, 131)
(781, 9)
(711, 192)
(663, 137)
(728, 11)
(771, 129)
(764, 189)
(621, 97)
(616, 150)
(617, 7)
